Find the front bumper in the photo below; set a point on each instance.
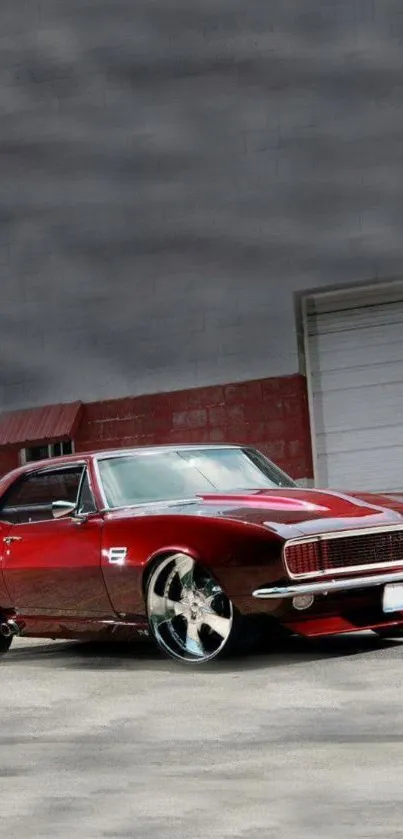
(327, 586)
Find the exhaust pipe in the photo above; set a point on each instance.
(10, 628)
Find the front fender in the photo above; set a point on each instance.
(240, 556)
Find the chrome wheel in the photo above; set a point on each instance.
(190, 616)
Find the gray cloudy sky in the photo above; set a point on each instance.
(172, 171)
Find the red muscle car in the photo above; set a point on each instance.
(188, 544)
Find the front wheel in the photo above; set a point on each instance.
(389, 632)
(190, 616)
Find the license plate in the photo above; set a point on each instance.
(393, 598)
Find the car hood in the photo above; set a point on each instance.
(287, 512)
(304, 512)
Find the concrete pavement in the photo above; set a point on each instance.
(100, 742)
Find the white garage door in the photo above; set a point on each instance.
(355, 368)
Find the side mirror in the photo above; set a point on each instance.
(60, 509)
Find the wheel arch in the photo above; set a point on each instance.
(162, 553)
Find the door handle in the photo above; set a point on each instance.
(79, 520)
(9, 539)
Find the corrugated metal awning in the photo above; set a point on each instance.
(40, 425)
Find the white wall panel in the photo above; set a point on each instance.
(355, 359)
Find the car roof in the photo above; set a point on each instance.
(65, 460)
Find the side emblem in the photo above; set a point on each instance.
(117, 556)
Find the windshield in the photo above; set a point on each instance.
(155, 475)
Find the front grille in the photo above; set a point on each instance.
(333, 553)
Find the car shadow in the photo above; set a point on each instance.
(145, 655)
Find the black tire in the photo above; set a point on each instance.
(262, 633)
(5, 644)
(190, 617)
(389, 632)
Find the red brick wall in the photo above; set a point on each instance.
(271, 414)
(9, 460)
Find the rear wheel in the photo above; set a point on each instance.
(5, 644)
(190, 616)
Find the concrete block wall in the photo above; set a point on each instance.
(271, 414)
(9, 460)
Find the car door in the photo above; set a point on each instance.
(53, 566)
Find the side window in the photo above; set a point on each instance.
(86, 503)
(31, 497)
